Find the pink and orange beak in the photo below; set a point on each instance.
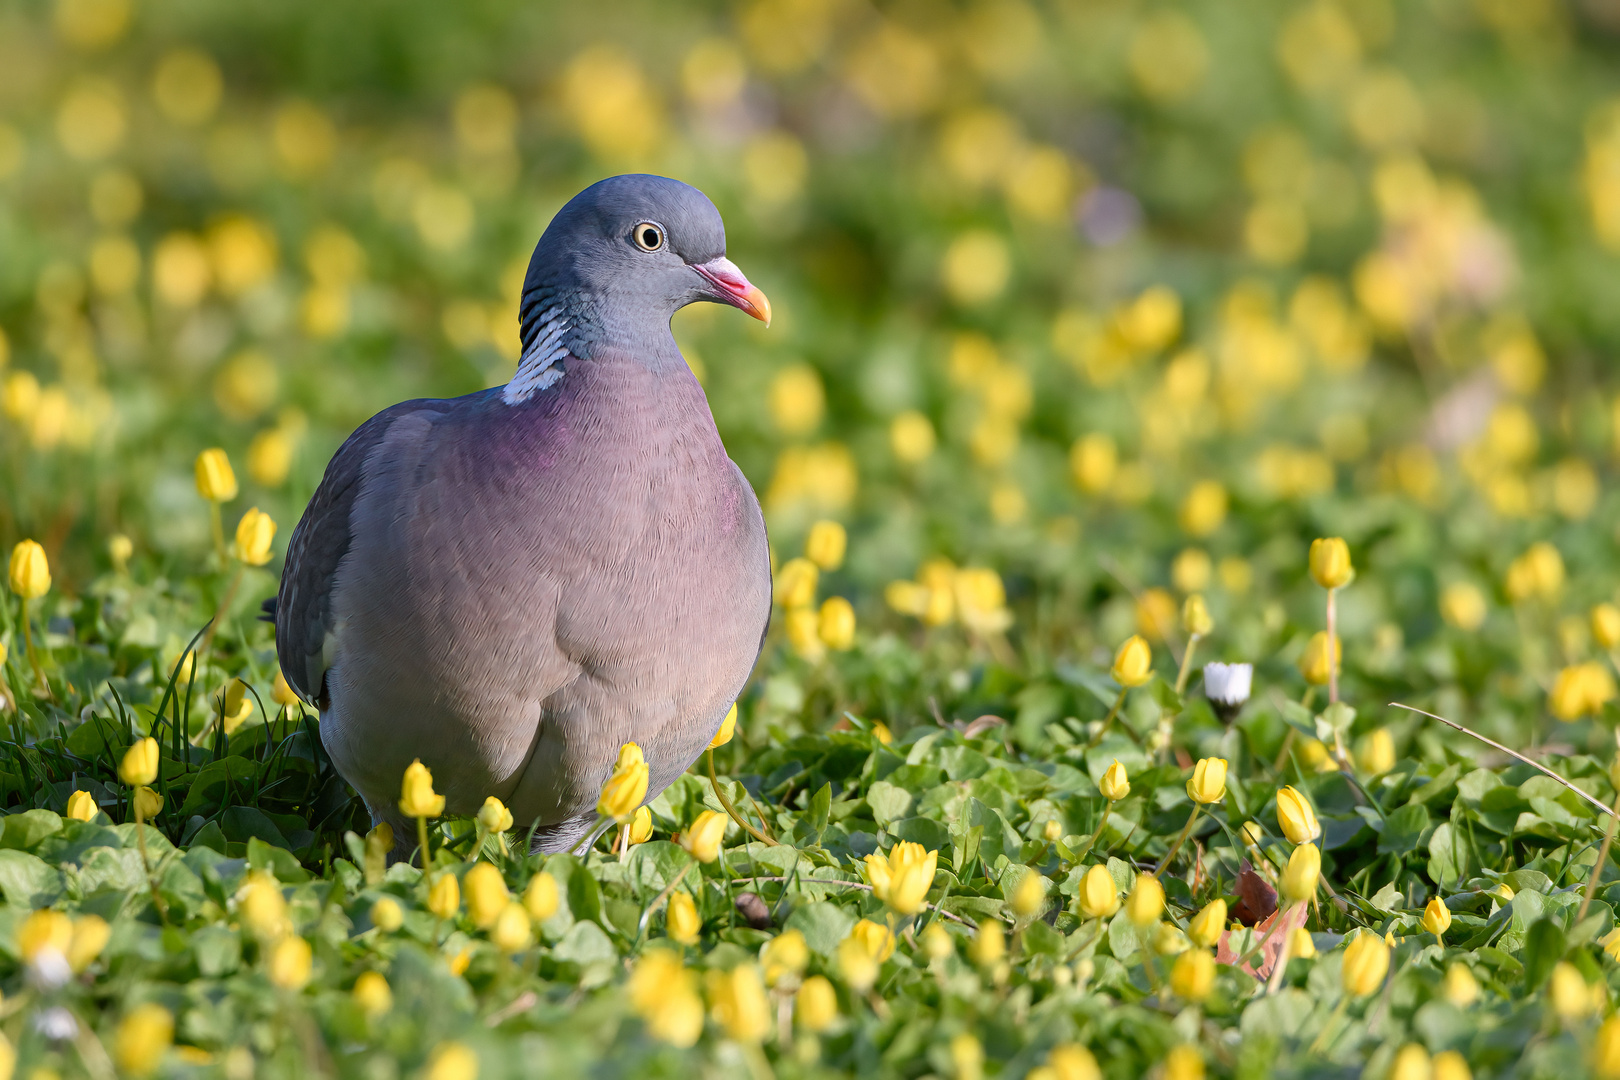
(730, 287)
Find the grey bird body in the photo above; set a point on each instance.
(512, 584)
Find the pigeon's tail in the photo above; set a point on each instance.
(268, 609)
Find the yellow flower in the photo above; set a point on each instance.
(1206, 927)
(738, 1004)
(540, 899)
(1463, 605)
(1580, 690)
(1606, 1050)
(1195, 619)
(143, 1037)
(875, 938)
(856, 965)
(1155, 613)
(1029, 898)
(1316, 756)
(728, 727)
(486, 894)
(512, 932)
(1330, 563)
(253, 535)
(703, 839)
(1567, 992)
(1115, 783)
(902, 878)
(815, 1006)
(627, 787)
(1071, 1061)
(1450, 1065)
(1296, 818)
(44, 931)
(881, 732)
(261, 905)
(372, 994)
(81, 806)
(1376, 752)
(1436, 917)
(1168, 940)
(1460, 987)
(911, 437)
(1146, 902)
(825, 545)
(452, 1061)
(1314, 662)
(836, 625)
(1366, 962)
(641, 826)
(1099, 896)
(216, 482)
(458, 964)
(1208, 783)
(416, 796)
(1252, 833)
(1204, 508)
(386, 915)
(147, 803)
(937, 942)
(1184, 1063)
(1301, 944)
(803, 630)
(661, 990)
(795, 585)
(1539, 572)
(1411, 1063)
(494, 816)
(967, 1056)
(120, 549)
(681, 920)
(1192, 976)
(989, 945)
(1298, 882)
(140, 763)
(290, 962)
(444, 896)
(1133, 663)
(281, 693)
(785, 954)
(1606, 625)
(30, 572)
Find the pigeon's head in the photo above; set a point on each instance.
(636, 248)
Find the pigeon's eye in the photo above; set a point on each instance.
(648, 237)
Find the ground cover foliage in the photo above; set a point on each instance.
(1084, 310)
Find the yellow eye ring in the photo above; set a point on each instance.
(648, 236)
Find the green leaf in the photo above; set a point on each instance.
(823, 925)
(27, 881)
(24, 831)
(887, 801)
(1544, 946)
(585, 943)
(1404, 830)
(1448, 856)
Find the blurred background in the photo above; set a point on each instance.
(1113, 301)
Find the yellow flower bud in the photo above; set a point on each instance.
(512, 932)
(1463, 606)
(681, 921)
(1366, 962)
(143, 1037)
(44, 931)
(1192, 976)
(262, 907)
(1204, 508)
(486, 894)
(1071, 1061)
(417, 798)
(989, 944)
(1330, 563)
(825, 545)
(1252, 833)
(452, 1061)
(1208, 783)
(1411, 1063)
(1301, 944)
(815, 1006)
(1376, 752)
(1567, 992)
(1133, 663)
(81, 806)
(641, 826)
(372, 994)
(253, 535)
(795, 585)
(494, 816)
(1099, 896)
(1450, 1065)
(738, 1003)
(281, 693)
(1314, 754)
(836, 624)
(1315, 663)
(967, 1056)
(881, 732)
(1298, 882)
(540, 899)
(1206, 927)
(1295, 817)
(216, 482)
(937, 942)
(290, 963)
(1606, 625)
(703, 839)
(856, 965)
(1183, 1063)
(1460, 987)
(1606, 1050)
(1029, 899)
(627, 787)
(1436, 917)
(140, 763)
(802, 625)
(1581, 690)
(1168, 940)
(661, 990)
(1115, 783)
(1195, 618)
(444, 896)
(1146, 902)
(728, 727)
(902, 878)
(1052, 830)
(147, 803)
(30, 572)
(785, 954)
(459, 963)
(387, 916)
(120, 549)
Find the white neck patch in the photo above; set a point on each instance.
(536, 369)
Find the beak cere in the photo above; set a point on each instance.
(728, 286)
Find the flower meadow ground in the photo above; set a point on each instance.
(1113, 339)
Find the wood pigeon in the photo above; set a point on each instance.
(512, 584)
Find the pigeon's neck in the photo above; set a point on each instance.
(559, 324)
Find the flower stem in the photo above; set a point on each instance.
(1597, 867)
(33, 655)
(1283, 956)
(422, 839)
(224, 605)
(1186, 664)
(1108, 721)
(1333, 652)
(1186, 831)
(725, 801)
(217, 523)
(1101, 825)
(146, 863)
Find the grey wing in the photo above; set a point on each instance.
(302, 608)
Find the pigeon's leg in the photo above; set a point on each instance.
(565, 834)
(405, 841)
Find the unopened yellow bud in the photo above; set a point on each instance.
(30, 572)
(641, 826)
(728, 727)
(1411, 1063)
(785, 955)
(1366, 962)
(1146, 902)
(81, 806)
(1330, 563)
(494, 816)
(253, 535)
(1133, 663)
(290, 963)
(540, 899)
(1192, 976)
(1304, 870)
(1606, 625)
(1206, 927)
(143, 1037)
(512, 932)
(1460, 987)
(795, 585)
(1301, 944)
(681, 920)
(1567, 992)
(1316, 663)
(836, 624)
(1115, 783)
(1184, 1063)
(146, 802)
(120, 549)
(1030, 897)
(1099, 896)
(44, 931)
(1376, 752)
(989, 944)
(825, 545)
(626, 788)
(417, 798)
(1208, 783)
(1436, 917)
(1296, 818)
(703, 839)
(1195, 619)
(444, 896)
(372, 994)
(738, 1003)
(486, 894)
(815, 1006)
(386, 915)
(216, 481)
